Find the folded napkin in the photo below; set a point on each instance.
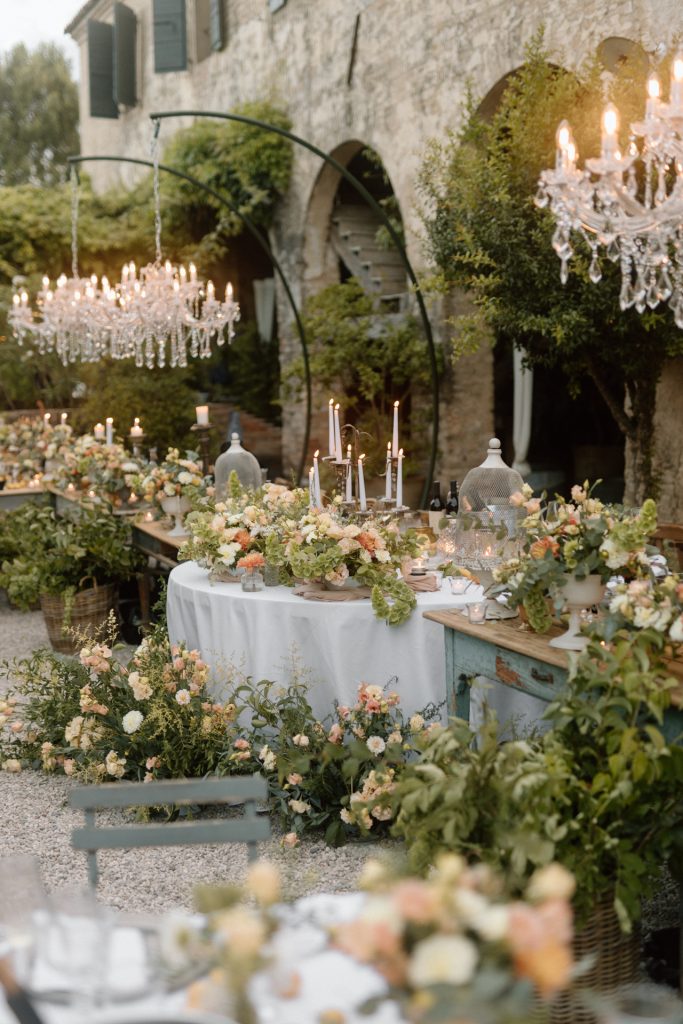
(428, 584)
(317, 592)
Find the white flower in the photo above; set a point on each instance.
(12, 765)
(382, 555)
(654, 618)
(676, 631)
(376, 745)
(268, 758)
(140, 686)
(169, 490)
(442, 959)
(184, 477)
(183, 697)
(492, 923)
(551, 882)
(299, 806)
(132, 721)
(416, 723)
(300, 740)
(115, 765)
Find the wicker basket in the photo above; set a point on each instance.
(615, 958)
(89, 610)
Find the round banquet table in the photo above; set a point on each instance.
(336, 644)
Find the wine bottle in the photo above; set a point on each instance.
(452, 502)
(436, 507)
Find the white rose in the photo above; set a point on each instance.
(676, 631)
(132, 721)
(376, 745)
(442, 959)
(299, 806)
(169, 490)
(551, 882)
(300, 740)
(492, 923)
(184, 477)
(183, 697)
(416, 723)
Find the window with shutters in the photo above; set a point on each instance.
(125, 32)
(170, 37)
(209, 27)
(101, 69)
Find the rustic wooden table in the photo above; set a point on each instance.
(155, 541)
(14, 497)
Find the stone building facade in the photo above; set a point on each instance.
(388, 74)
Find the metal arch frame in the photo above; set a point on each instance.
(369, 199)
(262, 241)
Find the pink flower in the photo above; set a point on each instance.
(336, 733)
(532, 506)
(517, 499)
(178, 664)
(290, 840)
(151, 763)
(416, 901)
(343, 711)
(241, 744)
(294, 779)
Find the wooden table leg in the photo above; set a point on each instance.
(457, 682)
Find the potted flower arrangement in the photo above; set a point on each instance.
(340, 554)
(103, 471)
(454, 947)
(174, 485)
(569, 555)
(72, 566)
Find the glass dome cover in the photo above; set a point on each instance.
(238, 460)
(489, 485)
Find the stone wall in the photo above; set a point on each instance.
(413, 63)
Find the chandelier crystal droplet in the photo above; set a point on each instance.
(627, 205)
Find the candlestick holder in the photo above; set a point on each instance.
(202, 430)
(136, 442)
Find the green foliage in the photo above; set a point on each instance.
(484, 233)
(163, 398)
(54, 555)
(245, 373)
(600, 792)
(250, 166)
(38, 115)
(368, 361)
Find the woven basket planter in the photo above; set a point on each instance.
(89, 610)
(615, 958)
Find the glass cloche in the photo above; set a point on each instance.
(238, 460)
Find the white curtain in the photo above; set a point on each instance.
(522, 409)
(264, 298)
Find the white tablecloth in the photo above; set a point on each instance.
(337, 644)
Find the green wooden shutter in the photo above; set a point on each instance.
(170, 45)
(101, 69)
(216, 25)
(125, 27)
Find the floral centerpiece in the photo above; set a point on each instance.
(104, 471)
(453, 947)
(220, 536)
(647, 604)
(322, 546)
(176, 476)
(582, 538)
(27, 443)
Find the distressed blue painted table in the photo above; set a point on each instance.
(521, 660)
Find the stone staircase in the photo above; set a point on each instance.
(380, 271)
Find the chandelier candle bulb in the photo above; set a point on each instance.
(202, 412)
(316, 479)
(653, 94)
(387, 488)
(136, 429)
(98, 432)
(676, 95)
(610, 125)
(109, 430)
(337, 435)
(210, 291)
(193, 272)
(394, 439)
(399, 480)
(362, 500)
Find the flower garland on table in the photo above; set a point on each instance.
(175, 477)
(582, 537)
(453, 947)
(27, 442)
(321, 546)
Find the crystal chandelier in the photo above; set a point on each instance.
(629, 204)
(161, 305)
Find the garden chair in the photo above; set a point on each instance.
(249, 829)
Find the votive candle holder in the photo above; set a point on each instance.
(476, 612)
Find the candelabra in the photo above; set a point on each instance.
(136, 442)
(202, 430)
(628, 203)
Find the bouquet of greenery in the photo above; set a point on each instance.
(581, 537)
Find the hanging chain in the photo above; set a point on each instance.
(157, 193)
(74, 222)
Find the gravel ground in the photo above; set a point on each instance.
(35, 819)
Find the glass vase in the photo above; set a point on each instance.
(252, 580)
